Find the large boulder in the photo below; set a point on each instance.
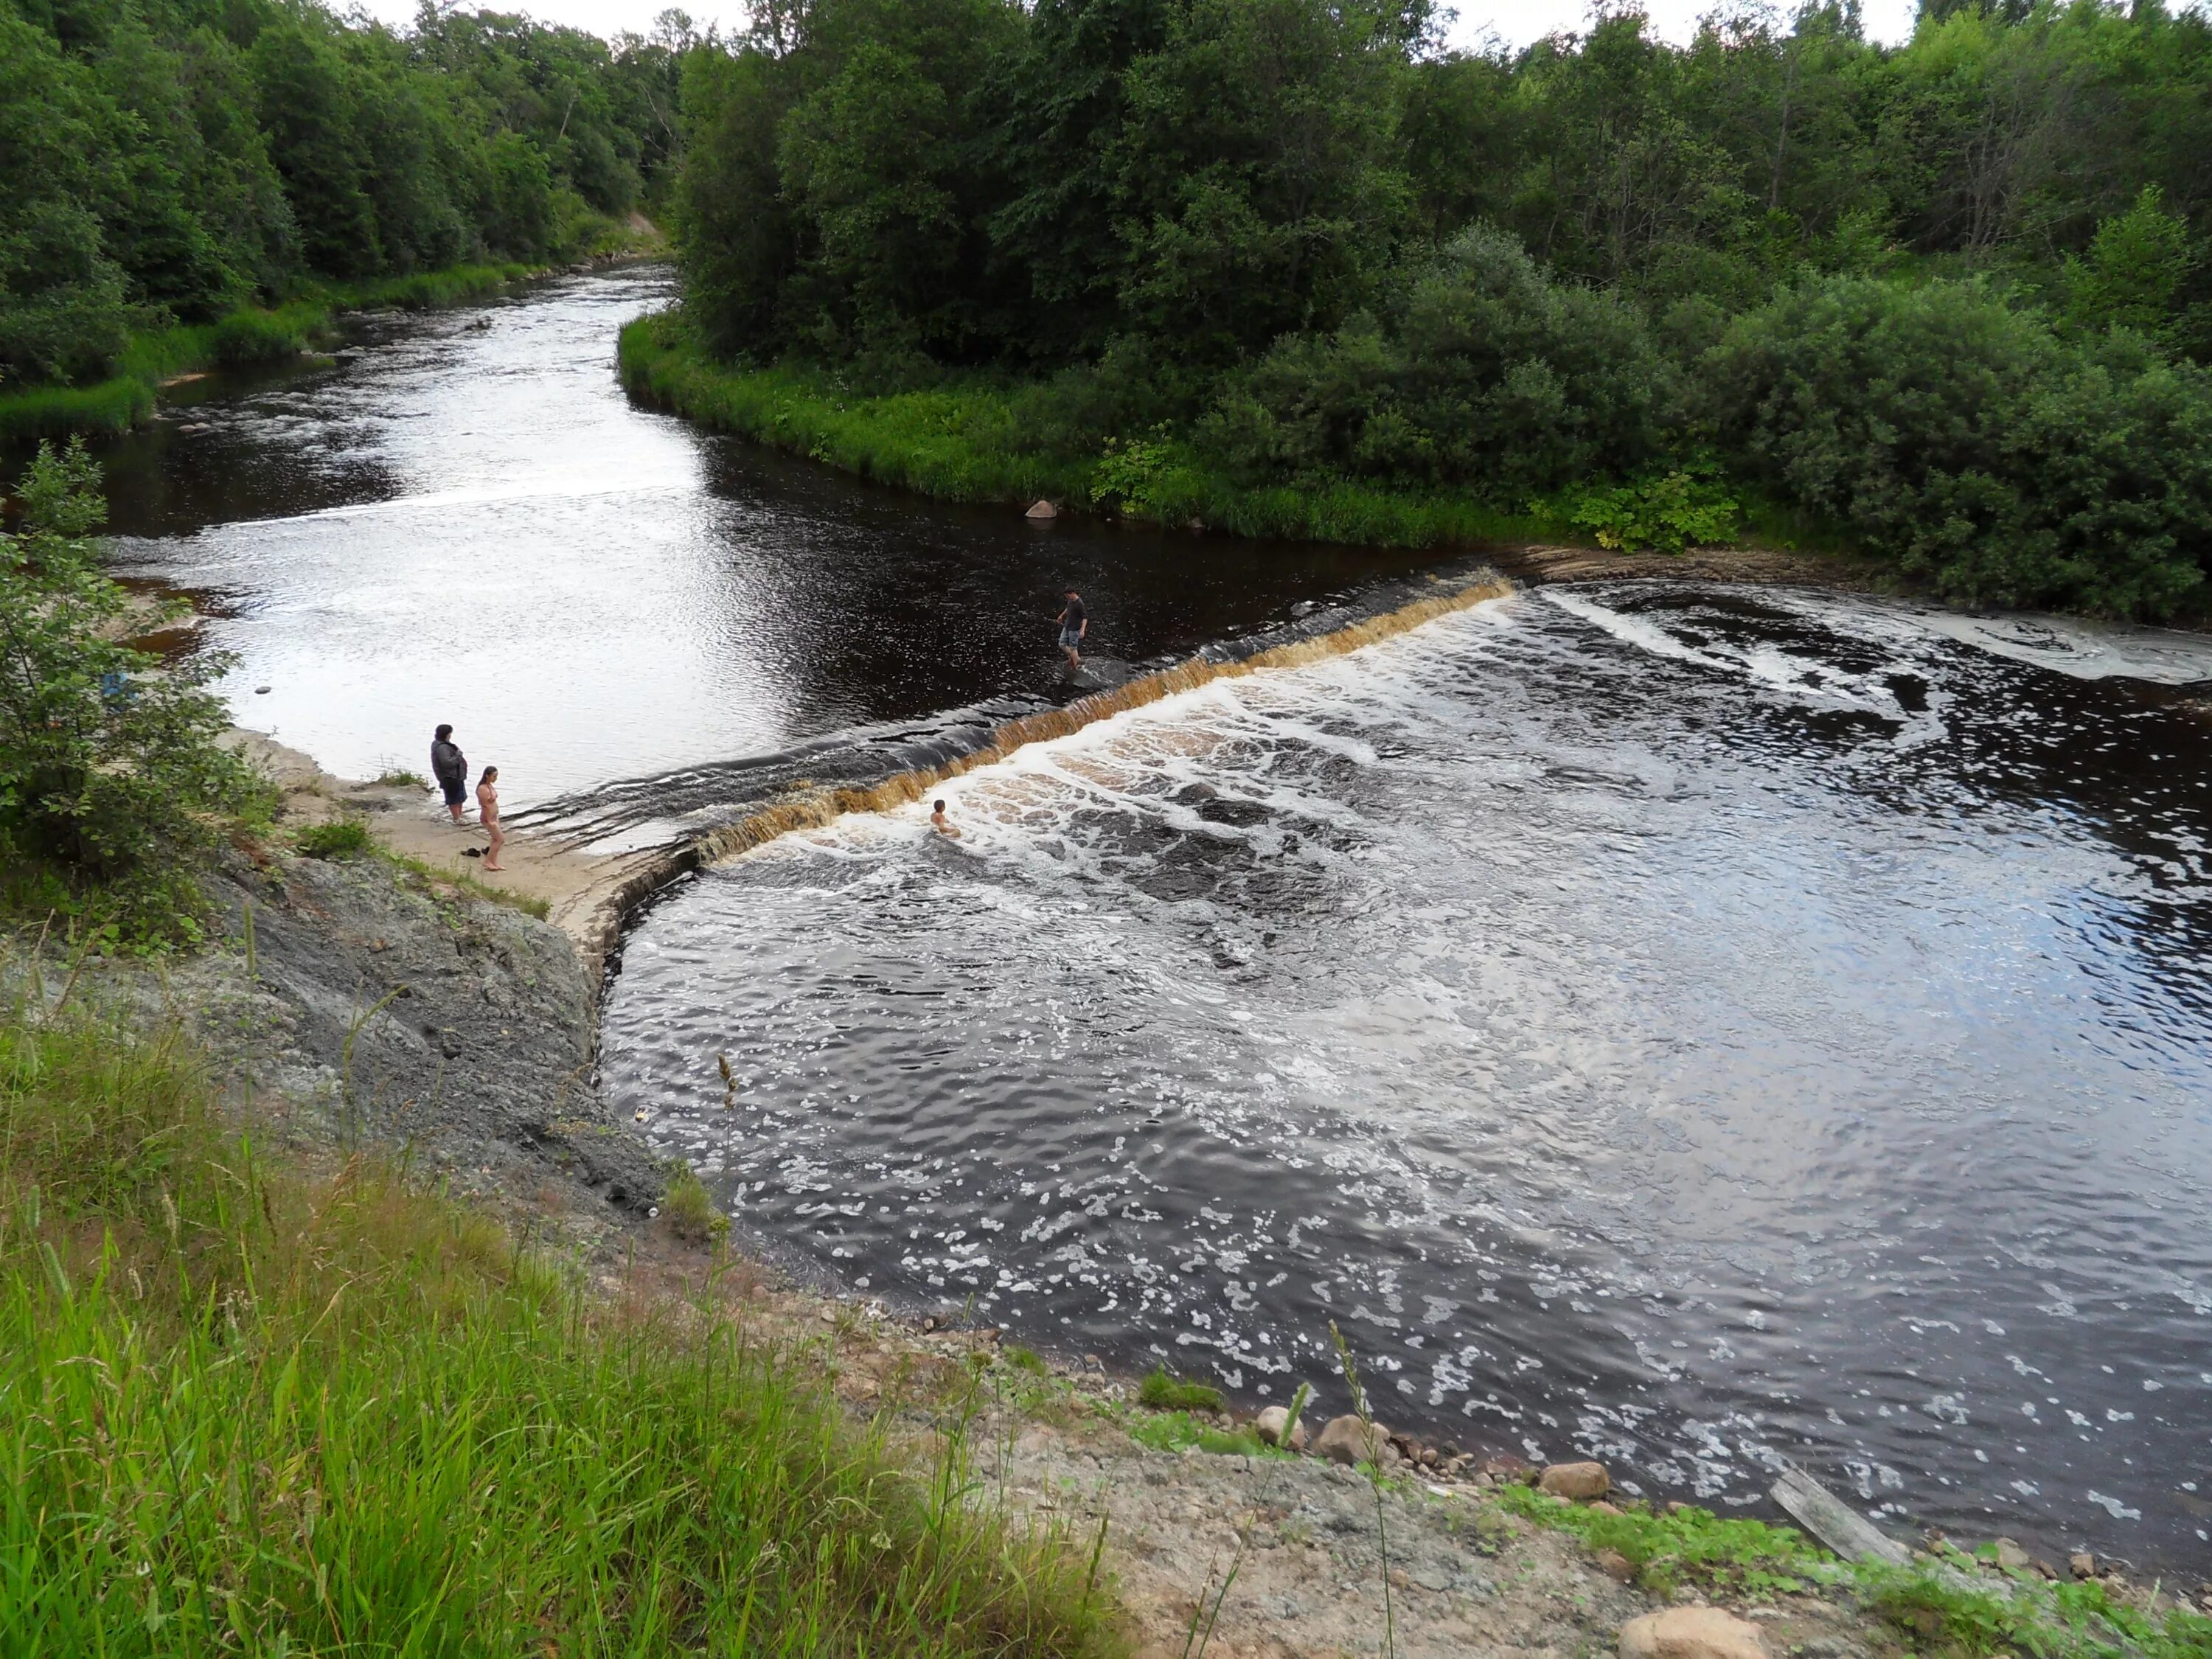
(1578, 1481)
(1691, 1633)
(1347, 1440)
(1270, 1423)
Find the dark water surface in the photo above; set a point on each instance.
(1688, 1026)
(470, 522)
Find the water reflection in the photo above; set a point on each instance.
(470, 522)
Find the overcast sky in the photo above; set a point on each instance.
(1517, 24)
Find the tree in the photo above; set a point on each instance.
(2133, 272)
(110, 770)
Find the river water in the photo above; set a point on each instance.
(1690, 1026)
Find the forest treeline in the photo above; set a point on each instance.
(169, 161)
(1944, 303)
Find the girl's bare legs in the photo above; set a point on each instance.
(498, 840)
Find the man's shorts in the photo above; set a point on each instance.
(1070, 639)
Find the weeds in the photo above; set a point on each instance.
(1163, 1393)
(1684, 1546)
(339, 838)
(398, 777)
(1172, 1431)
(689, 1209)
(1373, 1466)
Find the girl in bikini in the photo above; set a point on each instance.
(488, 810)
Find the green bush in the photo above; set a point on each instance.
(110, 772)
(1667, 510)
(1491, 376)
(340, 838)
(1961, 436)
(1163, 1393)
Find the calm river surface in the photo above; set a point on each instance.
(1689, 1026)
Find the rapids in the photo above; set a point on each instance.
(1687, 1027)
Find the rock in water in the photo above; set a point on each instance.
(1691, 1633)
(1270, 1423)
(2082, 1564)
(2011, 1556)
(1043, 509)
(1346, 1440)
(1575, 1480)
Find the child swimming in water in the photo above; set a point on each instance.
(943, 825)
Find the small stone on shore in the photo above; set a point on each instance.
(2082, 1565)
(1270, 1423)
(1691, 1633)
(1576, 1481)
(1348, 1441)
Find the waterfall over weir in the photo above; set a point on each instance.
(1690, 1028)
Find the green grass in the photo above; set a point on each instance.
(1947, 1606)
(250, 335)
(689, 1209)
(1172, 1431)
(529, 903)
(245, 1408)
(966, 442)
(1163, 1393)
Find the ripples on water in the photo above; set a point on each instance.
(1683, 1027)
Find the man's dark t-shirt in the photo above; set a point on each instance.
(1072, 621)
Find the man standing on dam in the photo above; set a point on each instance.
(1074, 623)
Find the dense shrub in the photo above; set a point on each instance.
(110, 772)
(1962, 436)
(1490, 375)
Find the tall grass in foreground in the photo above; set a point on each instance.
(247, 1409)
(967, 442)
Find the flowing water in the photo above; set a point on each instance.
(1689, 1026)
(1686, 1027)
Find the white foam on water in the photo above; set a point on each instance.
(1605, 1041)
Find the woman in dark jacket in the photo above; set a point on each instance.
(451, 768)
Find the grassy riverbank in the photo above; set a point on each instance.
(972, 441)
(246, 1403)
(251, 334)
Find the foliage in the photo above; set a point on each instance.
(1947, 1603)
(1669, 510)
(689, 1209)
(1963, 437)
(970, 440)
(1286, 266)
(1175, 1431)
(245, 1407)
(182, 166)
(1163, 1393)
(110, 772)
(339, 838)
(1685, 1546)
(1488, 374)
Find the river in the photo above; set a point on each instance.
(1689, 1025)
